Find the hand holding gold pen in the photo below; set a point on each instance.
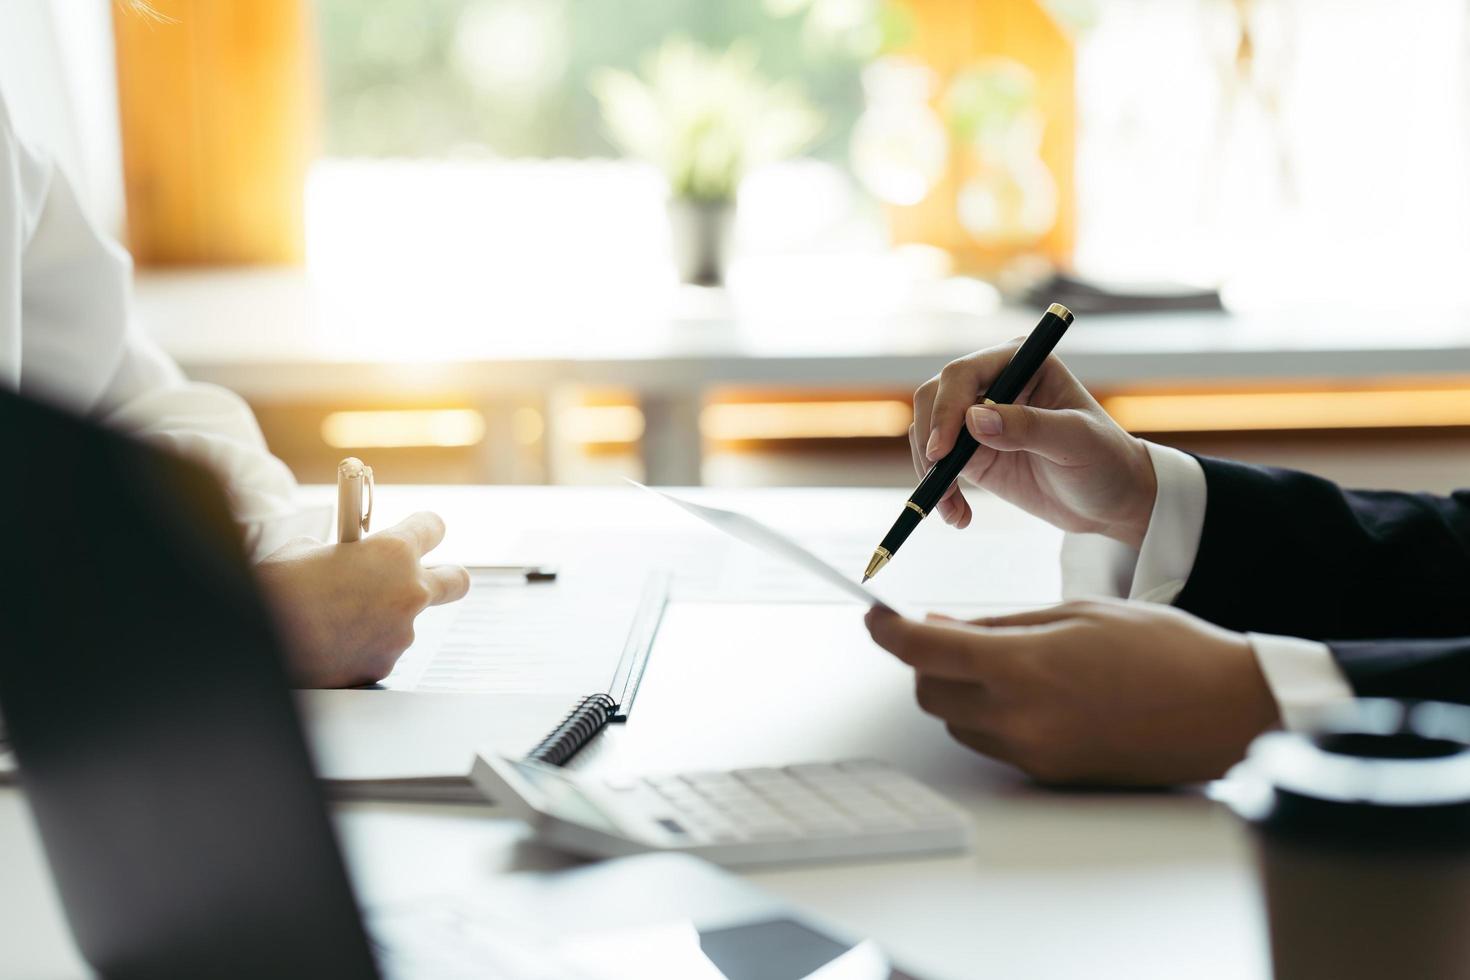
(355, 486)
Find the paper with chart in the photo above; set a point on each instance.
(758, 535)
(510, 637)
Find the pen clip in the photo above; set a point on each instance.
(352, 475)
(366, 518)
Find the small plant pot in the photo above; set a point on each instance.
(700, 234)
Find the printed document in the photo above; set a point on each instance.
(758, 535)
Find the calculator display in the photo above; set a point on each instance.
(561, 798)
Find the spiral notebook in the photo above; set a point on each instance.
(596, 711)
(499, 677)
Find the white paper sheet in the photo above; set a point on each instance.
(758, 535)
(510, 637)
(393, 735)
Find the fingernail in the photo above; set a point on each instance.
(985, 421)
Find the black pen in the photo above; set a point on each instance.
(1006, 388)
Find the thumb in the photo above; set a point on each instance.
(1064, 436)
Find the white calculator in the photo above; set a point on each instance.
(821, 811)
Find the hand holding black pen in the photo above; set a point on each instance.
(1005, 389)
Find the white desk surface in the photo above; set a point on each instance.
(1096, 884)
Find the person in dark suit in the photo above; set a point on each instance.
(1224, 598)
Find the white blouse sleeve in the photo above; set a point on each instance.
(148, 396)
(66, 337)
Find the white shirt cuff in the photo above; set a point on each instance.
(1096, 565)
(1174, 528)
(1303, 676)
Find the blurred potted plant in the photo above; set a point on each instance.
(705, 118)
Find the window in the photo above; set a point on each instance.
(434, 78)
(1323, 158)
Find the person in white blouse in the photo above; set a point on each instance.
(66, 337)
(1120, 688)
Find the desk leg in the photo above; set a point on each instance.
(672, 447)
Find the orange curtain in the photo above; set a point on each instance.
(950, 35)
(218, 101)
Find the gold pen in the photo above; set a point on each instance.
(354, 481)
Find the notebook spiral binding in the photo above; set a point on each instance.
(575, 730)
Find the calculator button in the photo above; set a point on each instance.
(761, 776)
(804, 817)
(855, 799)
(768, 831)
(730, 796)
(811, 811)
(823, 823)
(755, 817)
(923, 805)
(792, 801)
(752, 814)
(888, 782)
(861, 803)
(731, 836)
(622, 784)
(823, 784)
(882, 821)
(716, 829)
(785, 789)
(806, 814)
(670, 787)
(701, 814)
(730, 790)
(863, 765)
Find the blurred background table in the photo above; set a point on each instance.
(810, 362)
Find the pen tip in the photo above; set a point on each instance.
(865, 579)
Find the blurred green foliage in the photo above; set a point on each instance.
(512, 77)
(985, 101)
(704, 117)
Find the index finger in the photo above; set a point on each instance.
(960, 385)
(423, 530)
(955, 650)
(446, 583)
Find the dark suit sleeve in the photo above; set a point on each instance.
(1437, 669)
(1288, 553)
